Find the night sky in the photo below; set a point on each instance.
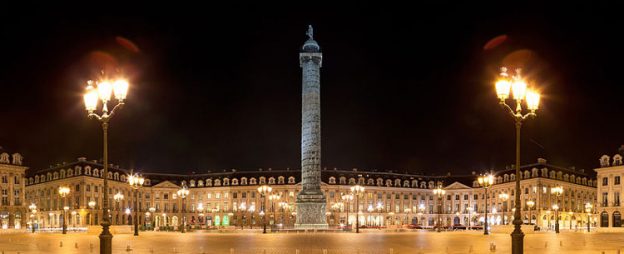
(403, 89)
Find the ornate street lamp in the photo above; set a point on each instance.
(347, 198)
(283, 205)
(530, 204)
(136, 181)
(556, 208)
(183, 192)
(272, 198)
(517, 86)
(264, 190)
(242, 208)
(357, 190)
(504, 197)
(73, 213)
(486, 181)
(33, 211)
(557, 191)
(421, 210)
(152, 210)
(102, 90)
(588, 209)
(64, 191)
(91, 205)
(200, 209)
(439, 192)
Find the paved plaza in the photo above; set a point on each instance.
(312, 243)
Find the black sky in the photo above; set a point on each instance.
(402, 88)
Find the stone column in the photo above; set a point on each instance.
(311, 201)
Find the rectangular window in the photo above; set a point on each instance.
(166, 196)
(526, 190)
(605, 181)
(457, 197)
(397, 196)
(475, 196)
(5, 179)
(616, 199)
(235, 195)
(448, 197)
(465, 196)
(331, 194)
(244, 195)
(218, 195)
(17, 179)
(77, 187)
(88, 187)
(605, 199)
(616, 180)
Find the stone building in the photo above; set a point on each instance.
(230, 198)
(13, 213)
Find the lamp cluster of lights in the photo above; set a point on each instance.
(486, 180)
(516, 86)
(102, 90)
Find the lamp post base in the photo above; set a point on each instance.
(106, 239)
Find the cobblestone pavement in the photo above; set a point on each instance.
(313, 243)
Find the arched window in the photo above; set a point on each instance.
(351, 181)
(209, 182)
(226, 181)
(506, 177)
(617, 219)
(414, 183)
(78, 170)
(423, 185)
(361, 181)
(200, 183)
(36, 179)
(527, 174)
(332, 180)
(70, 172)
(291, 179)
(343, 180)
(217, 182)
(88, 170)
(122, 178)
(244, 181)
(406, 184)
(604, 219)
(388, 183)
(371, 181)
(397, 182)
(62, 173)
(604, 161)
(116, 176)
(56, 175)
(379, 182)
(271, 180)
(617, 160)
(192, 183)
(534, 172)
(252, 181)
(110, 175)
(280, 180)
(234, 181)
(262, 180)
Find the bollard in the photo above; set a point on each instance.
(618, 251)
(297, 251)
(324, 251)
(61, 244)
(392, 250)
(470, 249)
(151, 250)
(75, 245)
(560, 243)
(545, 244)
(231, 250)
(128, 249)
(264, 251)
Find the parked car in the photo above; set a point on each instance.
(458, 226)
(414, 226)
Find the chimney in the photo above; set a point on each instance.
(541, 161)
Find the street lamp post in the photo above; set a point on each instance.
(33, 211)
(469, 216)
(283, 205)
(439, 192)
(183, 192)
(63, 191)
(347, 198)
(518, 87)
(557, 191)
(264, 190)
(103, 92)
(486, 181)
(136, 181)
(242, 208)
(504, 197)
(152, 210)
(588, 208)
(201, 218)
(556, 208)
(73, 213)
(272, 198)
(91, 205)
(421, 210)
(251, 210)
(357, 190)
(530, 204)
